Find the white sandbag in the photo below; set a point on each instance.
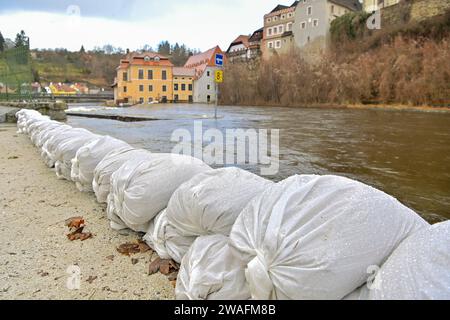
(209, 271)
(166, 240)
(33, 120)
(314, 237)
(88, 157)
(66, 150)
(141, 188)
(210, 202)
(41, 127)
(48, 142)
(419, 269)
(110, 164)
(22, 116)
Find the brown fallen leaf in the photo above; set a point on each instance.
(75, 222)
(134, 261)
(154, 266)
(91, 279)
(111, 257)
(78, 234)
(133, 247)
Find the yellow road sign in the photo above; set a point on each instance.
(218, 76)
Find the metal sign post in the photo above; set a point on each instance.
(218, 78)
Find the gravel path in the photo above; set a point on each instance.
(35, 253)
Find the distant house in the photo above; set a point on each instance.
(62, 89)
(313, 19)
(183, 84)
(278, 30)
(239, 49)
(254, 43)
(374, 5)
(144, 78)
(204, 68)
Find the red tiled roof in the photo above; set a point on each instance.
(135, 58)
(199, 62)
(183, 72)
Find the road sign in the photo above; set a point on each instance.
(218, 76)
(219, 59)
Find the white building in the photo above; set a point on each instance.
(204, 82)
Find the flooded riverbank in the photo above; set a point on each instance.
(406, 154)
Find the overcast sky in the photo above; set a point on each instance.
(132, 23)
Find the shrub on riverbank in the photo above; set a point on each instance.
(406, 71)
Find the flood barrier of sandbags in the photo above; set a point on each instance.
(209, 203)
(110, 164)
(313, 237)
(307, 237)
(142, 188)
(88, 157)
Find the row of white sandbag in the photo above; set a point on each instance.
(211, 202)
(321, 237)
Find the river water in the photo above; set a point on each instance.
(405, 154)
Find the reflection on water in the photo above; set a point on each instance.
(405, 154)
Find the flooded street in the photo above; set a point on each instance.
(406, 154)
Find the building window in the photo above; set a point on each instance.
(208, 87)
(283, 16)
(270, 45)
(208, 73)
(315, 22)
(141, 74)
(164, 75)
(278, 44)
(141, 100)
(309, 10)
(150, 100)
(150, 88)
(190, 87)
(164, 88)
(280, 29)
(269, 20)
(269, 31)
(150, 74)
(125, 76)
(309, 38)
(303, 25)
(332, 8)
(125, 89)
(289, 26)
(176, 97)
(183, 87)
(175, 87)
(141, 88)
(275, 18)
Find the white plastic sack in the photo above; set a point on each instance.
(210, 202)
(209, 271)
(166, 240)
(110, 164)
(66, 150)
(88, 157)
(314, 237)
(41, 128)
(419, 269)
(141, 188)
(22, 116)
(33, 120)
(48, 142)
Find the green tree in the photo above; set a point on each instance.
(2, 43)
(164, 48)
(21, 39)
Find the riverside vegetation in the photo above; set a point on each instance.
(405, 64)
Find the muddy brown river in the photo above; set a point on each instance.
(406, 154)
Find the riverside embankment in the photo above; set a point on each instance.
(35, 252)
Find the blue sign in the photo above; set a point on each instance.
(219, 59)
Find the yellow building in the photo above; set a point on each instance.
(144, 78)
(183, 84)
